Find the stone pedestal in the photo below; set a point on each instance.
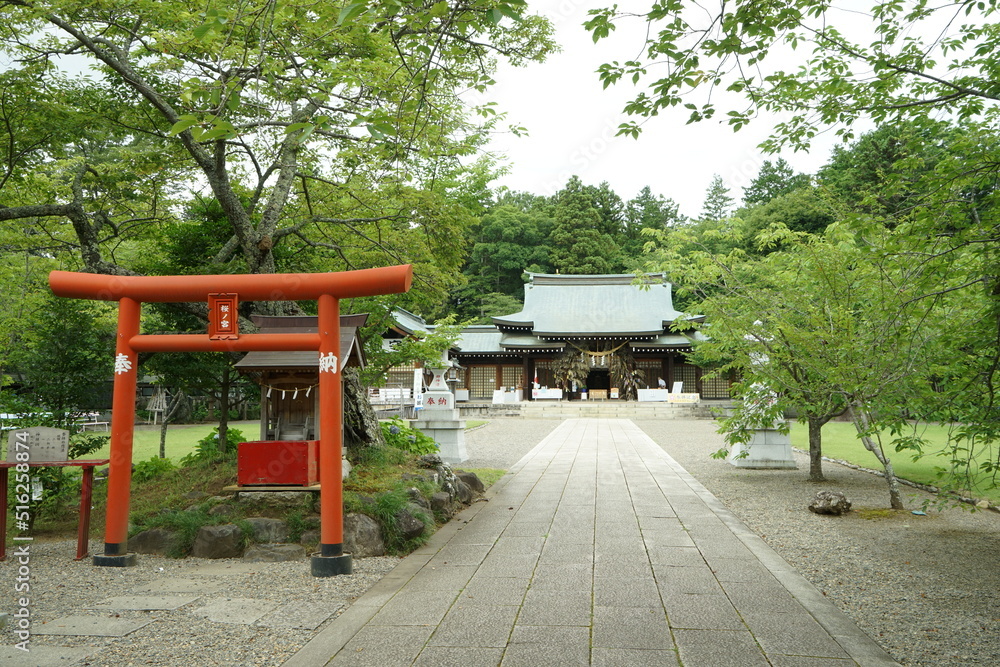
(439, 419)
(768, 448)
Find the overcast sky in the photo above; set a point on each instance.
(572, 123)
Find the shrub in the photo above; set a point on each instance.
(207, 448)
(154, 467)
(399, 435)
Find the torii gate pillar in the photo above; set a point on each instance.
(222, 293)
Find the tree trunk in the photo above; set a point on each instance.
(224, 410)
(167, 416)
(862, 424)
(816, 449)
(361, 427)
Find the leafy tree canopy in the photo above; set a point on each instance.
(847, 64)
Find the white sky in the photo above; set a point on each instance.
(572, 122)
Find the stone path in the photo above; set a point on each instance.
(598, 550)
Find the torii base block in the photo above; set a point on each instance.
(125, 560)
(331, 566)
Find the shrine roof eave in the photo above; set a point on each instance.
(535, 346)
(598, 334)
(502, 323)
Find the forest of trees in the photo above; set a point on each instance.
(294, 136)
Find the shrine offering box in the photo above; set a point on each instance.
(291, 462)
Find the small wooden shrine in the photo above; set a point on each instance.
(289, 400)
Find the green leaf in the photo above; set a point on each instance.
(182, 124)
(201, 31)
(351, 12)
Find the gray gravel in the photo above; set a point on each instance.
(926, 588)
(61, 587)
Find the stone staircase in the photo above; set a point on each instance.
(594, 409)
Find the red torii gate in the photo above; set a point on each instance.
(222, 293)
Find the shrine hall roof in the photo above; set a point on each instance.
(558, 306)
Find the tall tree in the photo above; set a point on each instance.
(718, 202)
(62, 358)
(335, 127)
(577, 244)
(647, 211)
(773, 180)
(510, 242)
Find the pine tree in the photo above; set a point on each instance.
(717, 200)
(576, 242)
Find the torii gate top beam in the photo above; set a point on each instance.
(254, 287)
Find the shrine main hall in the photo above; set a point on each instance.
(609, 335)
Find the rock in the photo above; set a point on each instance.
(362, 536)
(430, 460)
(408, 524)
(463, 493)
(195, 495)
(281, 500)
(472, 479)
(983, 504)
(417, 498)
(221, 510)
(274, 553)
(218, 542)
(160, 541)
(311, 537)
(441, 505)
(268, 530)
(830, 502)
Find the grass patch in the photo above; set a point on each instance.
(488, 476)
(878, 513)
(840, 441)
(181, 440)
(473, 423)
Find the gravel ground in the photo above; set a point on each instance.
(926, 588)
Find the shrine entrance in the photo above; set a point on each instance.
(599, 378)
(222, 293)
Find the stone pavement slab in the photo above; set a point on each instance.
(44, 656)
(599, 550)
(90, 626)
(239, 611)
(300, 615)
(175, 585)
(145, 602)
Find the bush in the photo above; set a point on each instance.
(154, 467)
(207, 448)
(399, 435)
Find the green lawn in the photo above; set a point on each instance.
(181, 440)
(840, 442)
